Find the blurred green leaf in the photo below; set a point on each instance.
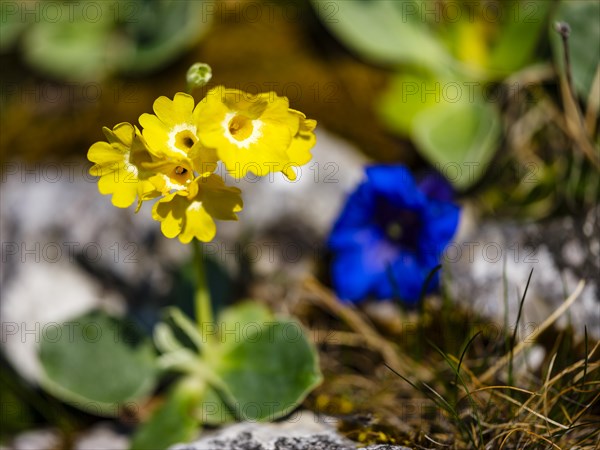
(242, 316)
(97, 363)
(173, 421)
(270, 373)
(584, 42)
(159, 31)
(266, 364)
(212, 410)
(407, 95)
(12, 27)
(520, 32)
(86, 41)
(74, 51)
(384, 31)
(258, 367)
(459, 139)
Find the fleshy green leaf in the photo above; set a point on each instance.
(97, 363)
(384, 31)
(73, 51)
(459, 139)
(269, 371)
(173, 421)
(135, 37)
(212, 410)
(407, 95)
(240, 321)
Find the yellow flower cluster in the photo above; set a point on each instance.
(175, 156)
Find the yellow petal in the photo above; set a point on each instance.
(204, 159)
(121, 134)
(219, 200)
(103, 153)
(170, 211)
(250, 133)
(156, 134)
(303, 142)
(198, 224)
(119, 176)
(173, 112)
(299, 150)
(122, 183)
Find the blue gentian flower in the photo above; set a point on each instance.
(391, 235)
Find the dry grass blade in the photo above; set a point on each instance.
(523, 406)
(576, 127)
(547, 385)
(591, 115)
(545, 325)
(357, 323)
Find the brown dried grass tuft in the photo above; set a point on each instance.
(442, 383)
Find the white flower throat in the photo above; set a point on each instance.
(241, 130)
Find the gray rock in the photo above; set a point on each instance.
(42, 439)
(38, 297)
(560, 251)
(304, 431)
(101, 437)
(387, 447)
(52, 213)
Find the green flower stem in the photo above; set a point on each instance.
(202, 303)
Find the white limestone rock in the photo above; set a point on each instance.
(302, 431)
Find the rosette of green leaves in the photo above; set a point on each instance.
(249, 365)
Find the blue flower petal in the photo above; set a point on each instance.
(350, 279)
(396, 184)
(436, 187)
(356, 215)
(358, 269)
(409, 273)
(440, 224)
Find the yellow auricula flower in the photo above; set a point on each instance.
(250, 132)
(190, 213)
(172, 137)
(118, 164)
(176, 153)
